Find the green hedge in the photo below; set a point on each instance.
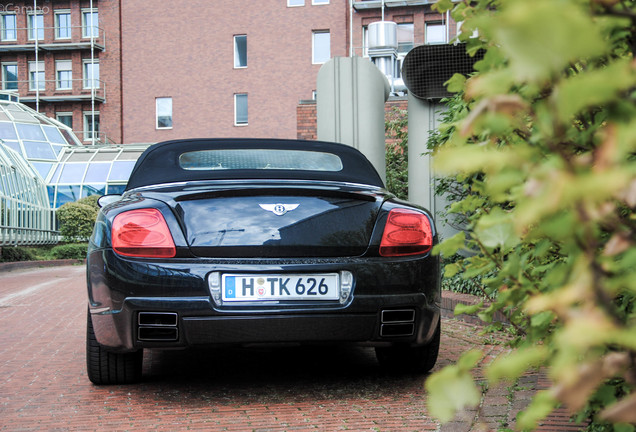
(14, 253)
(69, 251)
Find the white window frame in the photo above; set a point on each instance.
(411, 42)
(89, 83)
(435, 24)
(87, 116)
(85, 33)
(64, 114)
(313, 46)
(236, 122)
(237, 64)
(57, 74)
(4, 74)
(295, 5)
(57, 24)
(365, 41)
(40, 68)
(319, 2)
(14, 30)
(31, 28)
(157, 113)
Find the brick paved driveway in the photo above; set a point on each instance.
(44, 384)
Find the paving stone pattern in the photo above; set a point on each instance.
(44, 385)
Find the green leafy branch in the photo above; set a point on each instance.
(539, 148)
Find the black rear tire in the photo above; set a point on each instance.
(410, 359)
(107, 367)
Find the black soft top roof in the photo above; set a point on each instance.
(160, 162)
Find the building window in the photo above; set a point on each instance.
(65, 118)
(294, 3)
(240, 51)
(319, 2)
(36, 24)
(36, 76)
(435, 33)
(405, 38)
(240, 109)
(164, 112)
(90, 22)
(321, 46)
(64, 74)
(62, 24)
(9, 76)
(9, 32)
(90, 133)
(91, 74)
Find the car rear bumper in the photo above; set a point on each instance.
(398, 319)
(139, 304)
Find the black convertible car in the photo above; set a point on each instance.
(247, 241)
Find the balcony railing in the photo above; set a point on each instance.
(51, 38)
(64, 90)
(101, 138)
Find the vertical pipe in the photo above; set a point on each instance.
(37, 63)
(350, 28)
(92, 76)
(419, 173)
(447, 26)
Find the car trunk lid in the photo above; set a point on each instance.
(279, 222)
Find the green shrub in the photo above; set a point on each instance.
(397, 153)
(90, 201)
(69, 251)
(76, 221)
(13, 253)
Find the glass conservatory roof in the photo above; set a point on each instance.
(38, 138)
(58, 159)
(18, 180)
(91, 170)
(25, 213)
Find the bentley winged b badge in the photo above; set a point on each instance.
(279, 209)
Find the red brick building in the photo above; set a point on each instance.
(147, 71)
(63, 58)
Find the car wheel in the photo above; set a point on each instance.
(106, 367)
(412, 359)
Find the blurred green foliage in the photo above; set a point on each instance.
(539, 150)
(397, 164)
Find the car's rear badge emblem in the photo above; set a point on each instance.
(279, 209)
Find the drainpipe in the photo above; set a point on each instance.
(37, 64)
(447, 26)
(92, 75)
(350, 28)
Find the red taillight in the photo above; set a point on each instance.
(407, 232)
(142, 233)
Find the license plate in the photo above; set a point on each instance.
(245, 288)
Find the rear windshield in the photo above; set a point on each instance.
(260, 159)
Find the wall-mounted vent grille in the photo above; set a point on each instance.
(427, 67)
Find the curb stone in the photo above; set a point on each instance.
(18, 265)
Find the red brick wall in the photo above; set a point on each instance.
(418, 15)
(306, 120)
(306, 127)
(184, 50)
